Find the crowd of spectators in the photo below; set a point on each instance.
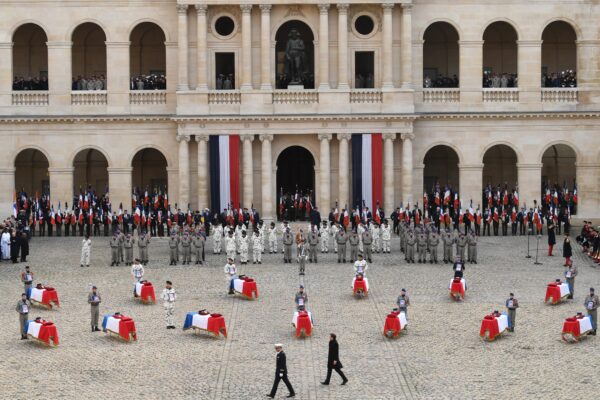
(440, 82)
(563, 79)
(29, 83)
(89, 83)
(225, 82)
(148, 82)
(504, 80)
(364, 81)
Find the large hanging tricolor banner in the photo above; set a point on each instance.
(367, 170)
(224, 171)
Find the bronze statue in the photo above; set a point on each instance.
(295, 55)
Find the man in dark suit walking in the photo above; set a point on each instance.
(281, 373)
(333, 361)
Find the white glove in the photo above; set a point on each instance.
(281, 375)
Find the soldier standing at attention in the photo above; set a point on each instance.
(324, 234)
(86, 249)
(27, 279)
(198, 242)
(313, 241)
(288, 240)
(422, 246)
(114, 250)
(94, 300)
(591, 304)
(461, 243)
(168, 297)
(353, 240)
(23, 307)
(273, 239)
(433, 241)
(143, 242)
(386, 236)
(341, 239)
(410, 245)
(472, 244)
(302, 256)
(244, 248)
(367, 240)
(121, 242)
(512, 304)
(256, 248)
(128, 245)
(186, 248)
(173, 248)
(230, 246)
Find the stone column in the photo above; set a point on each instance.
(342, 46)
(588, 192)
(470, 177)
(325, 175)
(6, 79)
(61, 184)
(470, 71)
(388, 172)
(530, 183)
(202, 61)
(266, 178)
(343, 169)
(265, 47)
(118, 71)
(247, 171)
(406, 46)
(588, 73)
(119, 186)
(529, 69)
(7, 188)
(202, 171)
(59, 75)
(323, 46)
(407, 167)
(184, 171)
(182, 46)
(246, 81)
(386, 48)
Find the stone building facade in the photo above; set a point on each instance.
(417, 72)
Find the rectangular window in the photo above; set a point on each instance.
(364, 70)
(224, 71)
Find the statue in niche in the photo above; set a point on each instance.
(295, 54)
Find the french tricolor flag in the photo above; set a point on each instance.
(224, 171)
(367, 169)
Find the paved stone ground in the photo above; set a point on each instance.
(440, 357)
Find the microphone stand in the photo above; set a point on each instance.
(537, 247)
(528, 235)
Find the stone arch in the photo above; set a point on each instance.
(440, 165)
(11, 32)
(294, 164)
(500, 166)
(149, 170)
(30, 56)
(71, 30)
(574, 148)
(505, 143)
(441, 59)
(156, 22)
(559, 54)
(441, 143)
(88, 52)
(445, 20)
(90, 170)
(574, 26)
(307, 76)
(500, 61)
(509, 21)
(147, 49)
(283, 21)
(31, 170)
(33, 147)
(161, 150)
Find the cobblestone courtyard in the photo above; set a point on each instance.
(440, 357)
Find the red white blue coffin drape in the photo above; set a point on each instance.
(367, 170)
(224, 171)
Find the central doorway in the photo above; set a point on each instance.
(295, 174)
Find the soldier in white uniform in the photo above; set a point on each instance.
(333, 233)
(230, 272)
(360, 230)
(256, 248)
(376, 233)
(262, 235)
(272, 238)
(230, 245)
(386, 237)
(217, 238)
(168, 297)
(243, 249)
(324, 232)
(360, 266)
(86, 250)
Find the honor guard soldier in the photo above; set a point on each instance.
(432, 242)
(341, 239)
(313, 242)
(186, 248)
(591, 304)
(448, 241)
(114, 249)
(281, 373)
(353, 240)
(273, 238)
(230, 246)
(461, 243)
(367, 240)
(512, 304)
(301, 299)
(422, 246)
(231, 273)
(143, 242)
(86, 249)
(376, 234)
(256, 248)
(324, 235)
(403, 302)
(168, 297)
(386, 237)
(94, 301)
(173, 248)
(333, 231)
(288, 240)
(472, 245)
(120, 248)
(23, 307)
(217, 238)
(198, 241)
(128, 245)
(244, 248)
(302, 256)
(410, 245)
(570, 274)
(27, 279)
